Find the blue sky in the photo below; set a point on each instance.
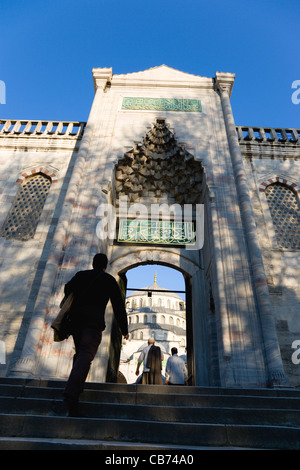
(48, 50)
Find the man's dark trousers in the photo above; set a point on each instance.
(86, 343)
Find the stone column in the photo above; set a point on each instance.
(26, 365)
(276, 374)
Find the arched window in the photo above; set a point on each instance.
(26, 210)
(285, 212)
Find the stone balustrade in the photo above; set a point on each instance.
(268, 134)
(10, 127)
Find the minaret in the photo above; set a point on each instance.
(155, 278)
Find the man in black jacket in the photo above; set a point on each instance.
(92, 290)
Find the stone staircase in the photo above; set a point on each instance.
(156, 418)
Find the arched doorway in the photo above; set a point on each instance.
(159, 173)
(155, 304)
(192, 275)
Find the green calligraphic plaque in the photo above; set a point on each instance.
(162, 104)
(156, 232)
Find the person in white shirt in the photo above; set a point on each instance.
(176, 371)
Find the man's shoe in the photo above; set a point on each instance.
(74, 410)
(60, 408)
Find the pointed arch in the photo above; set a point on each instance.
(279, 179)
(43, 170)
(285, 212)
(27, 207)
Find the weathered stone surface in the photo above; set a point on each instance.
(242, 283)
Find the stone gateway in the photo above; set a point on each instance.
(167, 138)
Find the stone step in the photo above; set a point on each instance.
(186, 414)
(133, 388)
(149, 432)
(16, 443)
(121, 416)
(169, 396)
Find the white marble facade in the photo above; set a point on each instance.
(242, 312)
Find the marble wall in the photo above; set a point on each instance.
(240, 283)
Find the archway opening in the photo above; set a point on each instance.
(157, 307)
(157, 186)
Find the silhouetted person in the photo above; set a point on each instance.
(92, 290)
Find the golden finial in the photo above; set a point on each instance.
(155, 278)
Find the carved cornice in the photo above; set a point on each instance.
(102, 77)
(224, 82)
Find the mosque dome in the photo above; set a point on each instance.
(153, 312)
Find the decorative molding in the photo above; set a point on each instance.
(163, 77)
(277, 179)
(102, 78)
(45, 170)
(224, 82)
